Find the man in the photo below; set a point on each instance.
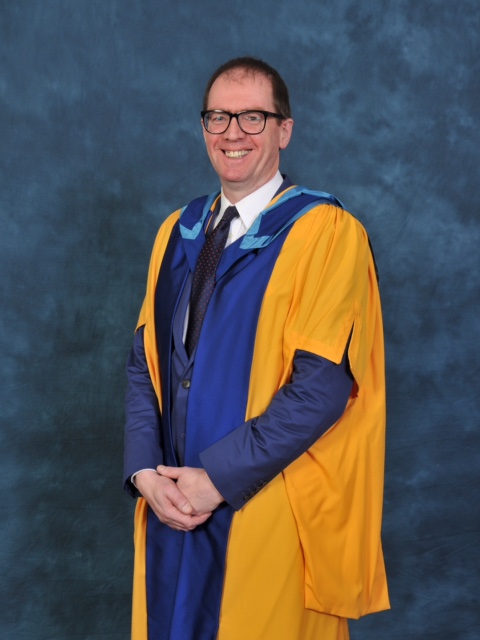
(256, 400)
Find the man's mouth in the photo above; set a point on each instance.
(236, 154)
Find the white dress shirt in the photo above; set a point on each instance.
(248, 208)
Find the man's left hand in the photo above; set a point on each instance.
(196, 486)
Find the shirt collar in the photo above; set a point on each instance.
(249, 207)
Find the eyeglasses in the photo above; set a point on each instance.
(251, 122)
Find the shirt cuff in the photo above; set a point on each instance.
(132, 479)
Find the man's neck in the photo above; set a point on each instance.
(249, 207)
(235, 198)
(237, 192)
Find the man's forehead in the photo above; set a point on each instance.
(241, 75)
(244, 80)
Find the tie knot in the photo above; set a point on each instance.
(229, 214)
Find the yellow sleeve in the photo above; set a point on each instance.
(336, 488)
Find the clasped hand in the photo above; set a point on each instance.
(181, 497)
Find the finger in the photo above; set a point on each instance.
(178, 500)
(183, 523)
(191, 522)
(171, 516)
(169, 472)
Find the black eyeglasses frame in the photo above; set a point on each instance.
(266, 115)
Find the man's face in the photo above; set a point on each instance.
(245, 162)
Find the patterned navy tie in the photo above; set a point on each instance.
(204, 277)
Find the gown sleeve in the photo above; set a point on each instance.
(142, 430)
(249, 457)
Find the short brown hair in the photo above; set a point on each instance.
(253, 66)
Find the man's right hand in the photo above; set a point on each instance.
(167, 501)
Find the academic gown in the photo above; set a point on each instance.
(298, 554)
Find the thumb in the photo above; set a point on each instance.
(179, 500)
(181, 503)
(169, 472)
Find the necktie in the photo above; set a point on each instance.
(204, 276)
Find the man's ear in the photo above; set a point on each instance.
(286, 128)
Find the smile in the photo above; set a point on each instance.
(236, 154)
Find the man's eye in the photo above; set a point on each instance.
(218, 118)
(252, 117)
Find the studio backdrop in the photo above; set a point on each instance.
(100, 140)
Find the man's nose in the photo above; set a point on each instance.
(234, 131)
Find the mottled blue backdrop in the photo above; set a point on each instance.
(99, 141)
